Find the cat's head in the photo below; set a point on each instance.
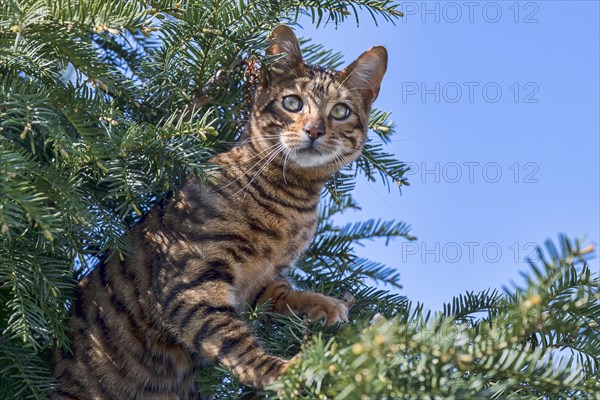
(310, 116)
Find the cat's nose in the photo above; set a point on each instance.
(314, 131)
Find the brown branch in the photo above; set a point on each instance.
(202, 97)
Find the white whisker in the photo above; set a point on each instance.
(287, 154)
(275, 153)
(268, 150)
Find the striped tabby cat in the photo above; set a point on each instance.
(141, 328)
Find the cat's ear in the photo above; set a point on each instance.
(285, 45)
(366, 72)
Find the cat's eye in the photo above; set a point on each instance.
(292, 103)
(340, 111)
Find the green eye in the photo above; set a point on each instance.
(292, 103)
(340, 111)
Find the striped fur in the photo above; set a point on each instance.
(142, 327)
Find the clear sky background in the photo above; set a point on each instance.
(496, 106)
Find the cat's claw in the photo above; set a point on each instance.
(328, 310)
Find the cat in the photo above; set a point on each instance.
(142, 327)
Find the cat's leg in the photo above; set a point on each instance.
(207, 320)
(315, 306)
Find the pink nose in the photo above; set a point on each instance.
(314, 131)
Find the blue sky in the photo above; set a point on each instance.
(496, 106)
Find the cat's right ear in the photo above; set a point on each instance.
(284, 45)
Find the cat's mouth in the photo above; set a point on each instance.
(311, 155)
(310, 150)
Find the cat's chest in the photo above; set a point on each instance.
(279, 233)
(274, 254)
(280, 241)
(298, 235)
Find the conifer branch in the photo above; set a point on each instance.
(105, 106)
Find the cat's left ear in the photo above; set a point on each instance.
(285, 44)
(366, 72)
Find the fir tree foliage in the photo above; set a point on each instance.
(539, 340)
(106, 105)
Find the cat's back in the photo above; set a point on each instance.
(119, 347)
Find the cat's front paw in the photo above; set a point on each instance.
(318, 307)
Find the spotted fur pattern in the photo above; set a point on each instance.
(142, 327)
